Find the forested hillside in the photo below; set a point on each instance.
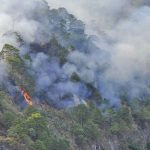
(63, 89)
(83, 127)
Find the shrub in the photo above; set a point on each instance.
(38, 145)
(8, 118)
(91, 130)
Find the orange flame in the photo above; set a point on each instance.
(26, 96)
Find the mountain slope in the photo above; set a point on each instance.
(49, 58)
(82, 127)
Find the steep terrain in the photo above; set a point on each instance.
(52, 59)
(41, 127)
(42, 68)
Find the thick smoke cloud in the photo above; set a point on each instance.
(99, 15)
(35, 23)
(115, 60)
(30, 19)
(121, 65)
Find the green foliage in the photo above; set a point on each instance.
(88, 120)
(2, 102)
(10, 47)
(34, 126)
(118, 127)
(91, 130)
(77, 129)
(30, 110)
(78, 132)
(119, 121)
(84, 124)
(148, 145)
(133, 147)
(96, 115)
(144, 113)
(36, 121)
(39, 145)
(57, 144)
(16, 67)
(8, 118)
(27, 57)
(125, 114)
(80, 140)
(11, 54)
(81, 114)
(8, 112)
(28, 126)
(14, 60)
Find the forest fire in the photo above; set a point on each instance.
(26, 96)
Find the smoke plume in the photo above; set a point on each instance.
(112, 54)
(121, 63)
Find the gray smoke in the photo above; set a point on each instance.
(114, 59)
(36, 24)
(30, 19)
(121, 64)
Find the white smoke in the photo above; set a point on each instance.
(115, 60)
(122, 30)
(98, 15)
(30, 19)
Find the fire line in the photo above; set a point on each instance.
(26, 96)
